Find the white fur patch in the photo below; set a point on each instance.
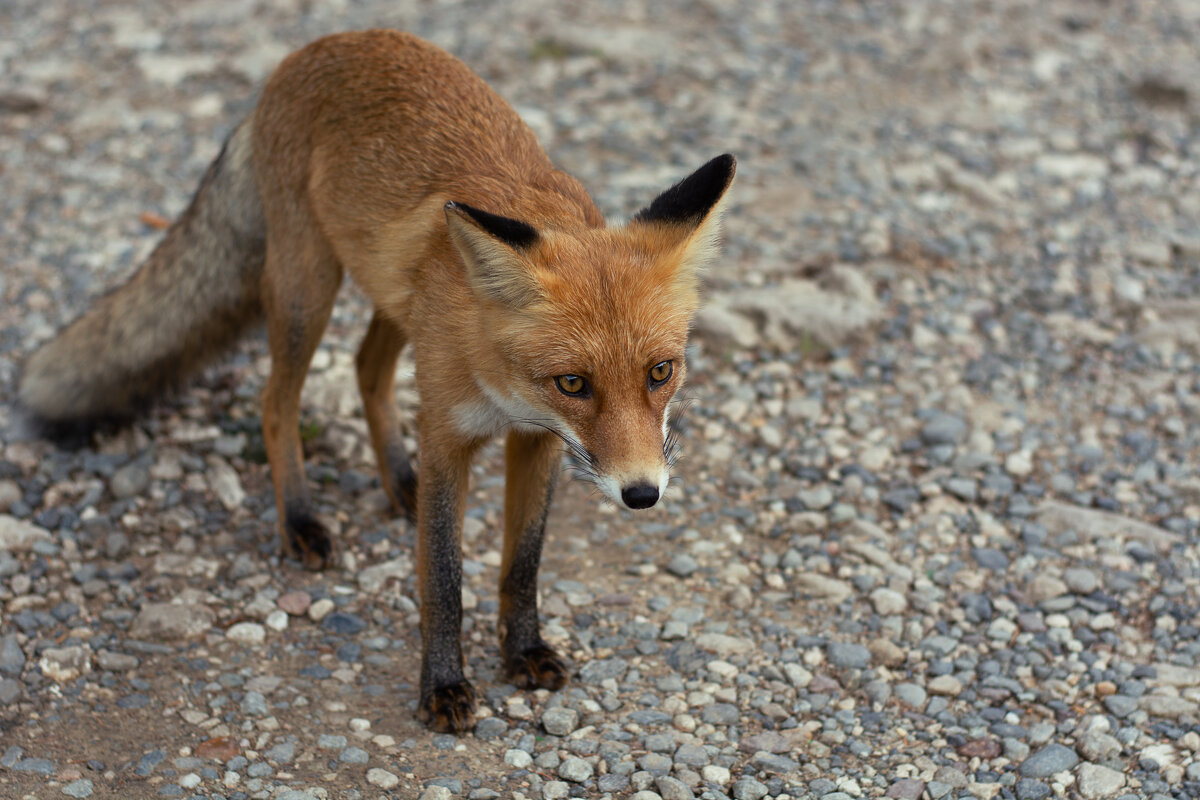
(497, 412)
(479, 419)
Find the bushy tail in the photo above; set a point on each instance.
(194, 296)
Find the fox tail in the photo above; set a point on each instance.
(191, 300)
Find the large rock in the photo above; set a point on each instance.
(1095, 525)
(797, 313)
(17, 535)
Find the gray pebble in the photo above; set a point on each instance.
(129, 481)
(601, 669)
(1050, 759)
(490, 728)
(12, 658)
(848, 655)
(749, 789)
(682, 565)
(575, 769)
(942, 428)
(78, 788)
(673, 789)
(38, 766)
(1080, 580)
(353, 755)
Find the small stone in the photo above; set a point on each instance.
(382, 778)
(848, 655)
(1097, 781)
(942, 428)
(945, 685)
(220, 748)
(490, 728)
(277, 620)
(906, 789)
(560, 721)
(673, 789)
(749, 789)
(724, 645)
(1049, 760)
(682, 565)
(1029, 789)
(224, 482)
(1080, 580)
(888, 601)
(575, 769)
(19, 536)
(984, 747)
(1019, 463)
(12, 658)
(320, 609)
(353, 755)
(343, 623)
(170, 621)
(817, 498)
(373, 579)
(911, 695)
(129, 481)
(246, 633)
(436, 792)
(294, 603)
(78, 788)
(65, 664)
(517, 758)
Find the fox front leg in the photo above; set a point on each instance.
(531, 465)
(447, 701)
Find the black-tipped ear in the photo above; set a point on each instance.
(514, 233)
(689, 201)
(491, 248)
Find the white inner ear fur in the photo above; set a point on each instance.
(494, 270)
(701, 246)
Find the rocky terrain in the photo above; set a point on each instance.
(935, 532)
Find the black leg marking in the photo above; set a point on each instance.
(447, 698)
(528, 660)
(305, 539)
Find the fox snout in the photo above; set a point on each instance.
(639, 495)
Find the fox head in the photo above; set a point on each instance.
(590, 326)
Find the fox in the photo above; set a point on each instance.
(380, 155)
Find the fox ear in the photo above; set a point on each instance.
(691, 208)
(490, 246)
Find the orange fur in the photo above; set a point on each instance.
(378, 154)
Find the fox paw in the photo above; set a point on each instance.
(450, 709)
(406, 498)
(306, 540)
(537, 668)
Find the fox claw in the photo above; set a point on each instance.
(538, 668)
(450, 709)
(306, 540)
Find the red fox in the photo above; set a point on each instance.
(377, 153)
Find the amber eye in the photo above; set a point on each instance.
(660, 373)
(573, 385)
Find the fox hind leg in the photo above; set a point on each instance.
(376, 364)
(300, 284)
(531, 464)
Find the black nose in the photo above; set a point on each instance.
(640, 495)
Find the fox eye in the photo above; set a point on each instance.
(573, 385)
(660, 373)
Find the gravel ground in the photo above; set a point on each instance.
(935, 533)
